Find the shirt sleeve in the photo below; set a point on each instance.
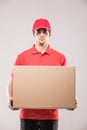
(17, 62)
(63, 61)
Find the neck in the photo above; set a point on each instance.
(41, 47)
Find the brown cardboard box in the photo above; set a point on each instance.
(43, 87)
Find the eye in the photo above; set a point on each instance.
(38, 31)
(44, 31)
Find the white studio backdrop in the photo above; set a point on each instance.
(68, 19)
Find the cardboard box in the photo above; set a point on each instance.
(43, 87)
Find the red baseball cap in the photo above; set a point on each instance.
(41, 23)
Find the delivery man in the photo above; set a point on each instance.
(40, 54)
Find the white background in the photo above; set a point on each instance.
(68, 19)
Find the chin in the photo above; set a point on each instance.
(42, 42)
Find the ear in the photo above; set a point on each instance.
(34, 33)
(50, 34)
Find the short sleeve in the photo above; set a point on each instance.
(17, 61)
(63, 61)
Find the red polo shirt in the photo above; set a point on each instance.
(51, 57)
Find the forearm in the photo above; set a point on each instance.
(10, 89)
(10, 95)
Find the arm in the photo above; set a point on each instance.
(10, 89)
(66, 64)
(10, 95)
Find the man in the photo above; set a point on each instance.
(40, 54)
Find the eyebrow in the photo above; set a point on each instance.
(42, 29)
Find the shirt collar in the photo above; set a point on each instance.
(35, 51)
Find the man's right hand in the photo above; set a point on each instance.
(10, 104)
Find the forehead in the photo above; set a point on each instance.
(42, 29)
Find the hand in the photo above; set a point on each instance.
(73, 108)
(10, 104)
